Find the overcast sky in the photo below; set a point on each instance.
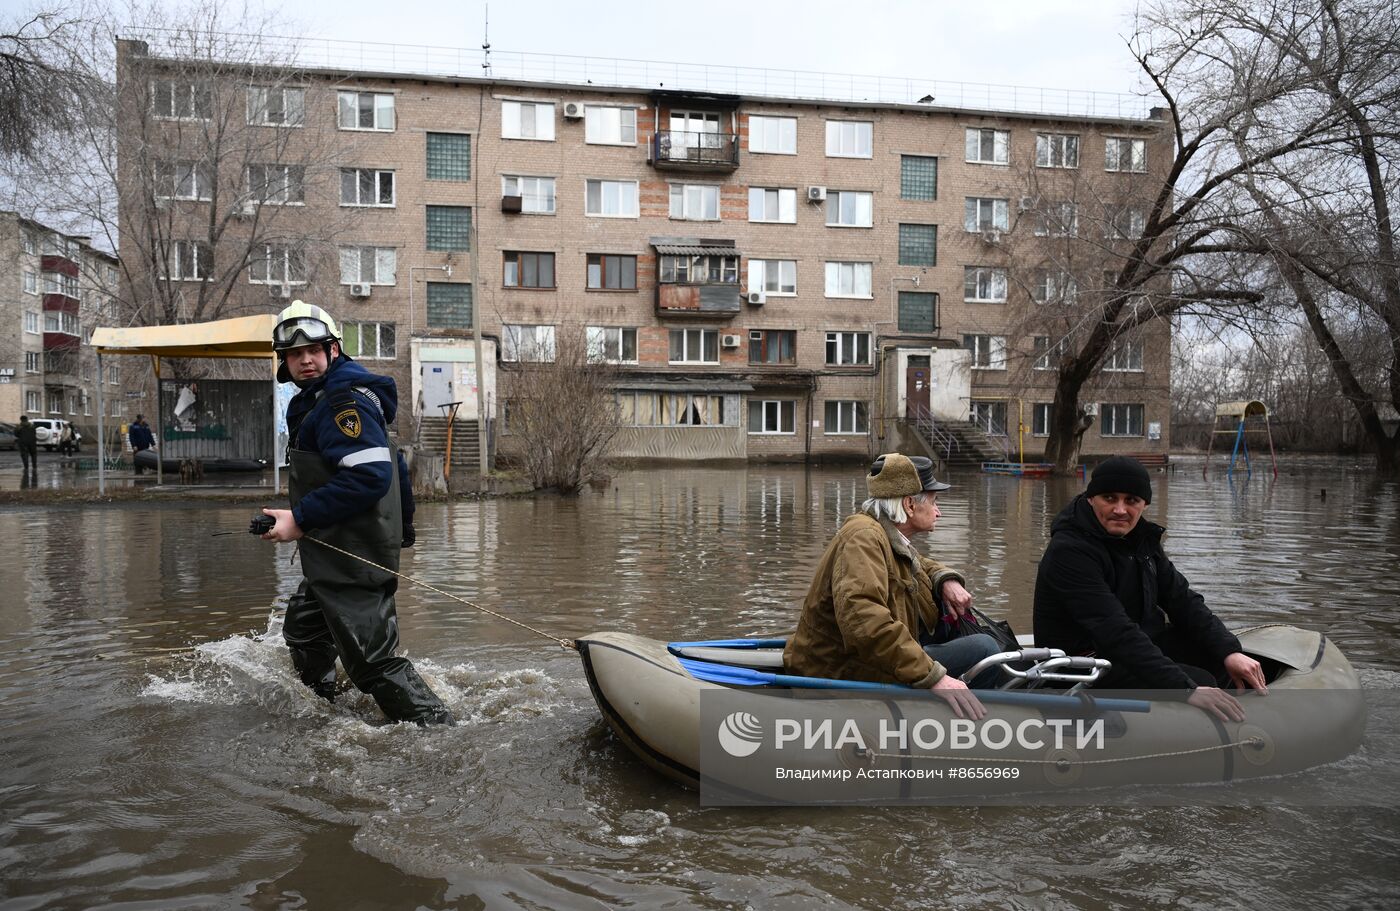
(1068, 44)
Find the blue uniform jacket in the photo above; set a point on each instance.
(346, 427)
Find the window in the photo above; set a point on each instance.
(611, 344)
(366, 187)
(31, 322)
(1125, 154)
(988, 417)
(918, 245)
(536, 193)
(847, 349)
(773, 204)
(527, 120)
(1059, 219)
(1056, 150)
(918, 312)
(31, 243)
(276, 264)
(1054, 287)
(1047, 356)
(111, 276)
(1126, 222)
(116, 408)
(58, 283)
(449, 156)
(529, 270)
(988, 146)
(55, 403)
(1125, 357)
(284, 184)
(988, 351)
(846, 417)
(985, 214)
(190, 261)
(365, 110)
(183, 180)
(32, 402)
(33, 362)
(375, 265)
(175, 99)
(609, 126)
(607, 272)
(670, 409)
(696, 202)
(918, 177)
(699, 270)
(1042, 418)
(530, 344)
(611, 198)
(449, 228)
(773, 276)
(848, 209)
(87, 404)
(849, 138)
(848, 280)
(1120, 420)
(694, 346)
(772, 346)
(368, 341)
(276, 106)
(984, 285)
(772, 416)
(114, 376)
(449, 305)
(31, 283)
(773, 135)
(51, 321)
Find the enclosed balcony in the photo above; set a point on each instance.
(697, 278)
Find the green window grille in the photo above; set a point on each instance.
(449, 305)
(449, 228)
(918, 245)
(918, 177)
(917, 312)
(449, 156)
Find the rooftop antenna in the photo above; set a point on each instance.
(486, 41)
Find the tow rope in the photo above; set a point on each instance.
(562, 642)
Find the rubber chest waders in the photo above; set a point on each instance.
(345, 606)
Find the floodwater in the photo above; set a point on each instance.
(158, 753)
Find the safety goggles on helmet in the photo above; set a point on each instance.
(310, 329)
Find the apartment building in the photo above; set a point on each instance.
(52, 293)
(775, 278)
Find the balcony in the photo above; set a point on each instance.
(697, 278)
(60, 263)
(688, 151)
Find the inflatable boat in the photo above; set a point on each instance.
(725, 712)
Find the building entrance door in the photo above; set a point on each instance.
(437, 387)
(917, 382)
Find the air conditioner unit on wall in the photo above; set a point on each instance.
(992, 237)
(816, 194)
(359, 289)
(756, 298)
(729, 340)
(573, 110)
(281, 292)
(1091, 409)
(511, 203)
(1027, 203)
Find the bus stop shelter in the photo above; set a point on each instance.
(240, 337)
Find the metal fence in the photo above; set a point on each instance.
(215, 419)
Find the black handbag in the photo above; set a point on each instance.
(974, 622)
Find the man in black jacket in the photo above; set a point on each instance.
(1105, 587)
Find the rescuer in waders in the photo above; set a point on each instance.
(348, 488)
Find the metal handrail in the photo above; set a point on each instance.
(695, 147)
(934, 435)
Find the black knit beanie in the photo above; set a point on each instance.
(1120, 474)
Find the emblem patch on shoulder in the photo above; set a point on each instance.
(349, 422)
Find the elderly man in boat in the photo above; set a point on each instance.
(875, 598)
(1105, 587)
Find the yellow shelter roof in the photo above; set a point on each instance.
(242, 336)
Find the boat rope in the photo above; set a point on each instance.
(1064, 762)
(564, 643)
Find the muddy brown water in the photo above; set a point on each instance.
(158, 753)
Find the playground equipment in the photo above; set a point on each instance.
(1239, 419)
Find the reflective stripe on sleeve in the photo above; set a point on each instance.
(365, 456)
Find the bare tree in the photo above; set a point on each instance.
(40, 94)
(560, 406)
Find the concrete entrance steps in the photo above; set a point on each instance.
(432, 437)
